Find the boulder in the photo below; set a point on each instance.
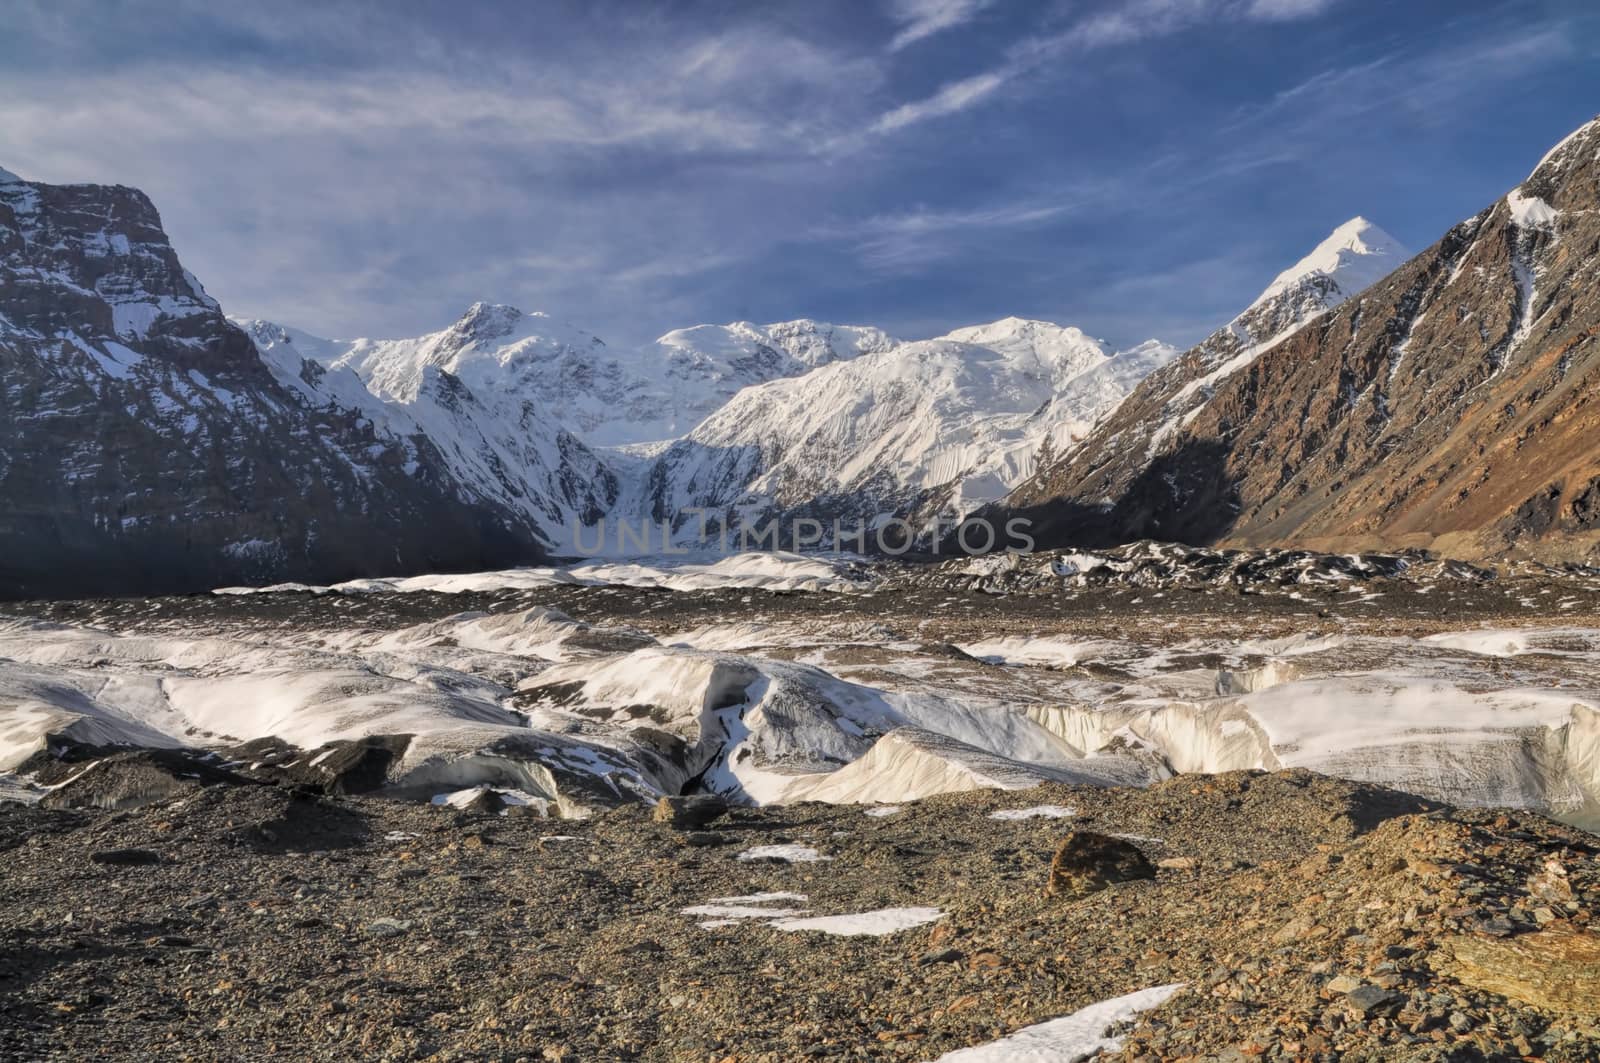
(689, 812)
(1087, 862)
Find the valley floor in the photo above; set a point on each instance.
(1338, 818)
(1301, 917)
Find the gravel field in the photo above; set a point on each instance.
(1308, 918)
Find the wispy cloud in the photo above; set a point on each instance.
(909, 241)
(376, 197)
(1416, 83)
(924, 18)
(1276, 10)
(956, 96)
(1124, 23)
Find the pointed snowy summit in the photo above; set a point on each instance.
(1355, 256)
(9, 178)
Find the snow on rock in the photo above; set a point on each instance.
(1561, 145)
(1354, 257)
(1531, 212)
(1152, 420)
(1084, 1033)
(750, 906)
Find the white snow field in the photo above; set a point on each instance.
(568, 716)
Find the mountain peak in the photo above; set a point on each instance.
(488, 320)
(1563, 143)
(9, 178)
(1012, 327)
(1354, 256)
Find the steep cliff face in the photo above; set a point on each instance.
(145, 445)
(1451, 405)
(1132, 444)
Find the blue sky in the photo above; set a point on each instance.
(1137, 168)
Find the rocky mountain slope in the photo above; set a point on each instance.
(1134, 437)
(1449, 406)
(144, 444)
(934, 426)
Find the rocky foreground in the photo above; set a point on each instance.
(1307, 918)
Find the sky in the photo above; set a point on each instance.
(1138, 168)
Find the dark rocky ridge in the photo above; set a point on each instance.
(146, 447)
(1449, 406)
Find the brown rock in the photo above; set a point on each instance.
(1087, 862)
(689, 813)
(1557, 969)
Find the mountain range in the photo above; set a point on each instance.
(1365, 398)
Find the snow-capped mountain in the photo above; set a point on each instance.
(606, 396)
(485, 392)
(146, 446)
(1449, 406)
(1132, 440)
(470, 391)
(936, 426)
(702, 367)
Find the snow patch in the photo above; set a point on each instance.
(1078, 1036)
(1531, 212)
(862, 924)
(1036, 812)
(793, 854)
